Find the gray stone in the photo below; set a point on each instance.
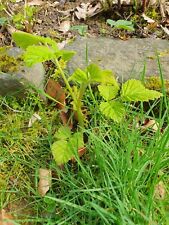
(125, 58)
(16, 83)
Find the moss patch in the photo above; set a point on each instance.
(9, 64)
(155, 83)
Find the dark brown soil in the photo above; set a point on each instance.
(49, 16)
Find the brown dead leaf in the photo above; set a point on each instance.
(66, 120)
(81, 11)
(6, 218)
(160, 191)
(152, 26)
(165, 29)
(93, 10)
(64, 26)
(148, 19)
(55, 90)
(81, 152)
(45, 181)
(35, 2)
(152, 124)
(87, 10)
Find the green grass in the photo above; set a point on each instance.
(113, 183)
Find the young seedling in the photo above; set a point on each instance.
(40, 49)
(121, 24)
(81, 29)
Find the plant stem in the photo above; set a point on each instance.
(76, 101)
(25, 5)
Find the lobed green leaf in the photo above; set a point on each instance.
(79, 76)
(67, 145)
(121, 24)
(134, 90)
(95, 74)
(23, 40)
(113, 109)
(108, 92)
(63, 133)
(61, 152)
(36, 54)
(67, 55)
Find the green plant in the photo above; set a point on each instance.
(121, 24)
(114, 183)
(40, 49)
(66, 142)
(3, 21)
(82, 29)
(131, 91)
(25, 19)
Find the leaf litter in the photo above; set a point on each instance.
(6, 218)
(45, 181)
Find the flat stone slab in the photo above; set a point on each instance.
(127, 59)
(16, 83)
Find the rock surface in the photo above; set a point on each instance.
(126, 59)
(15, 84)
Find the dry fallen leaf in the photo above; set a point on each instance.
(151, 124)
(148, 19)
(87, 10)
(35, 2)
(55, 90)
(45, 181)
(6, 218)
(160, 191)
(93, 10)
(81, 11)
(64, 26)
(33, 119)
(165, 29)
(81, 152)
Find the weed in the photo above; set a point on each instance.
(25, 20)
(115, 182)
(121, 24)
(82, 29)
(22, 20)
(113, 105)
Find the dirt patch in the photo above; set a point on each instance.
(48, 17)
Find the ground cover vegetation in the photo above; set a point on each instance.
(98, 151)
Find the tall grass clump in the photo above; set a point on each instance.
(122, 179)
(116, 183)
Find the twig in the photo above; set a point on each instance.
(14, 110)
